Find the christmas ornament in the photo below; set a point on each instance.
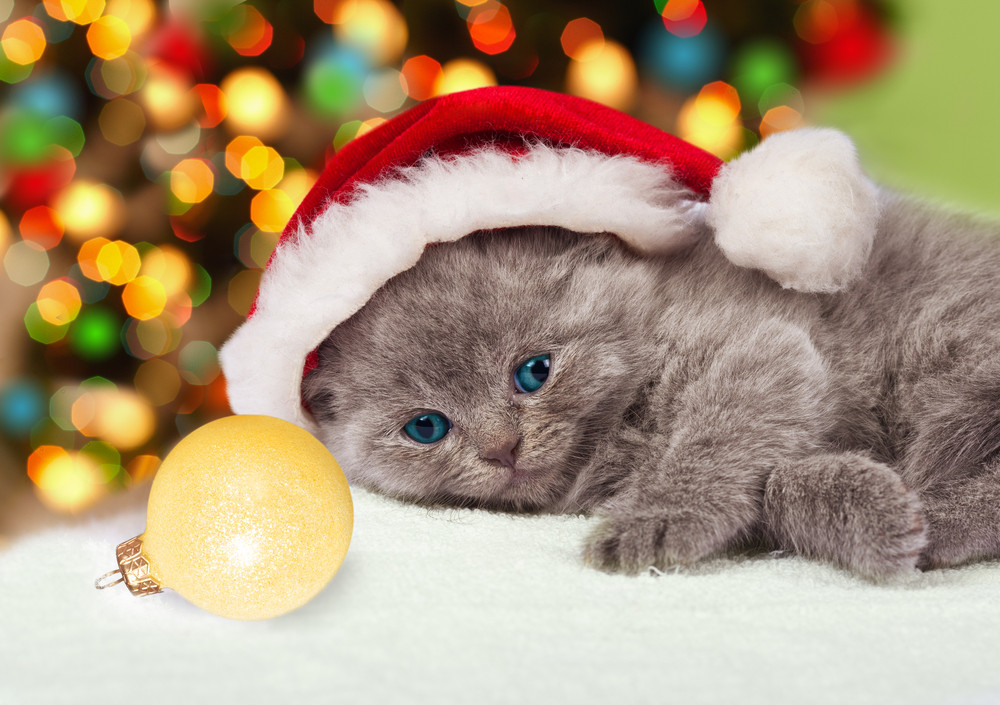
(249, 517)
(797, 207)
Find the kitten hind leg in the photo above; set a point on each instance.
(963, 519)
(847, 509)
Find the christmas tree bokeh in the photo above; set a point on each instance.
(151, 153)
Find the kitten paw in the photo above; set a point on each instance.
(631, 544)
(849, 510)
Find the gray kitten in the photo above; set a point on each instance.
(695, 405)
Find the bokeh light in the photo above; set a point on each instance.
(109, 37)
(419, 76)
(462, 75)
(491, 27)
(581, 37)
(152, 153)
(605, 73)
(58, 302)
(144, 298)
(158, 381)
(79, 11)
(683, 18)
(65, 481)
(95, 335)
(122, 121)
(22, 405)
(120, 417)
(26, 263)
(374, 27)
(710, 119)
(246, 30)
(166, 96)
(89, 209)
(261, 167)
(23, 41)
(271, 210)
(198, 362)
(255, 101)
(118, 262)
(384, 90)
(191, 181)
(42, 226)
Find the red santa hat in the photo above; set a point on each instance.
(797, 207)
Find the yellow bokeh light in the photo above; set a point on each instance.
(168, 99)
(58, 302)
(256, 102)
(376, 27)
(137, 14)
(463, 74)
(78, 11)
(120, 417)
(262, 167)
(271, 209)
(6, 234)
(64, 481)
(708, 121)
(89, 209)
(144, 298)
(606, 74)
(109, 37)
(170, 266)
(235, 151)
(87, 257)
(297, 184)
(23, 41)
(192, 180)
(118, 262)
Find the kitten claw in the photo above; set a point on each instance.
(634, 544)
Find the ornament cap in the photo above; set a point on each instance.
(133, 570)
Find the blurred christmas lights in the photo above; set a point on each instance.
(151, 155)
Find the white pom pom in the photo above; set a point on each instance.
(797, 207)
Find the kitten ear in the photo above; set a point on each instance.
(798, 207)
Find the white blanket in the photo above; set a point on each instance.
(473, 607)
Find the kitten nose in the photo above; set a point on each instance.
(504, 452)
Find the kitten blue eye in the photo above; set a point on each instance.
(531, 375)
(427, 428)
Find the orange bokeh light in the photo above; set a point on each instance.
(581, 37)
(43, 226)
(420, 73)
(491, 27)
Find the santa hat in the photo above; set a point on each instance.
(797, 207)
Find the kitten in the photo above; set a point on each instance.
(694, 405)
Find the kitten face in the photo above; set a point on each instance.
(461, 338)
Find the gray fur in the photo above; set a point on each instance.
(695, 405)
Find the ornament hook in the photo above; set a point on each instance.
(100, 583)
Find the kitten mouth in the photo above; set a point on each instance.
(517, 475)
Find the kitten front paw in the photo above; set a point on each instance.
(632, 543)
(847, 509)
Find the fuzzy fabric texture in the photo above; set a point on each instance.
(450, 606)
(799, 208)
(331, 268)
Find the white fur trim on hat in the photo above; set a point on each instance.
(332, 267)
(798, 207)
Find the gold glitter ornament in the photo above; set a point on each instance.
(249, 517)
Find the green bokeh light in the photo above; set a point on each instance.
(95, 335)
